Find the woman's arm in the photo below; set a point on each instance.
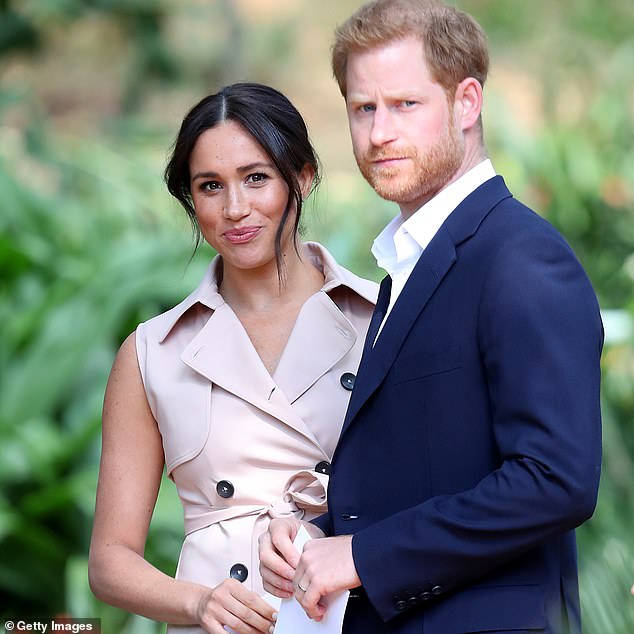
(130, 473)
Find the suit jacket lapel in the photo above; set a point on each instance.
(429, 271)
(382, 304)
(432, 266)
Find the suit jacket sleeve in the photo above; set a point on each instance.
(540, 337)
(323, 522)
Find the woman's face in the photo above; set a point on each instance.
(239, 197)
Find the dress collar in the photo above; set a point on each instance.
(334, 275)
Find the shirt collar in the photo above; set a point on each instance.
(402, 241)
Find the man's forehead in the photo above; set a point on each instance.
(395, 68)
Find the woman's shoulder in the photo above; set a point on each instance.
(203, 299)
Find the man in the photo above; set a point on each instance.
(471, 445)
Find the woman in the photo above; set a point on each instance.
(239, 391)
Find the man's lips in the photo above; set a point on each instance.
(388, 161)
(241, 234)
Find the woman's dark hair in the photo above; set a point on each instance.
(272, 120)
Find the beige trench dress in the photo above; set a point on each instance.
(243, 446)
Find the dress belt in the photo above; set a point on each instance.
(304, 491)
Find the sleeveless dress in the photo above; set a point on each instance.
(243, 446)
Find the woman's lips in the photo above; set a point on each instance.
(241, 234)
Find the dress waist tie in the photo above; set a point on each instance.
(304, 495)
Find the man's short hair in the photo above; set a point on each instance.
(454, 44)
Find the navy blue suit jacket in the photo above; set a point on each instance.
(471, 447)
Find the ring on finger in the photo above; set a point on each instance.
(301, 587)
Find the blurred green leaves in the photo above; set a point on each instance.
(84, 259)
(576, 167)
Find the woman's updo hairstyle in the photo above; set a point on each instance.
(272, 120)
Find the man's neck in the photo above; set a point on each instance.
(474, 155)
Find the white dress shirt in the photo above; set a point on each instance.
(398, 247)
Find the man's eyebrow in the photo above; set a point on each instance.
(358, 97)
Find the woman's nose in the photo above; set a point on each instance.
(236, 204)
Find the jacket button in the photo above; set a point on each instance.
(323, 467)
(425, 596)
(436, 590)
(225, 489)
(401, 605)
(412, 601)
(239, 572)
(347, 381)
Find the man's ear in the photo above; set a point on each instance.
(306, 177)
(468, 102)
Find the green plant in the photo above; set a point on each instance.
(82, 265)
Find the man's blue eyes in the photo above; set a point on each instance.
(371, 108)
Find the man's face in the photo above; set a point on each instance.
(404, 132)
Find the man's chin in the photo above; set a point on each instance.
(393, 191)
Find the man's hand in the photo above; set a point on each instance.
(325, 566)
(279, 557)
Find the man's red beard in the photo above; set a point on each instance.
(417, 177)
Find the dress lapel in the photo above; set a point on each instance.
(223, 353)
(321, 337)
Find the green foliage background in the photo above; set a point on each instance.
(91, 95)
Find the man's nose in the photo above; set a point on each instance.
(383, 127)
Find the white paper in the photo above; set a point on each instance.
(291, 616)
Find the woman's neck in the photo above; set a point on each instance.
(263, 290)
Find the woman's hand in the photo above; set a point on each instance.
(278, 555)
(231, 604)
